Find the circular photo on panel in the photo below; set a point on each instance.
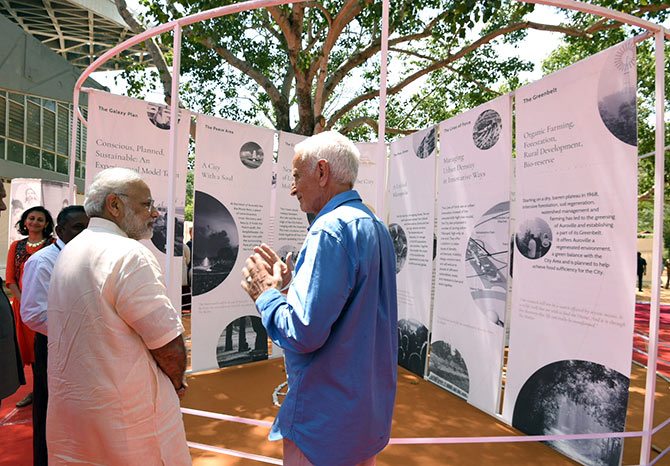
(159, 116)
(533, 238)
(412, 345)
(159, 238)
(617, 94)
(215, 243)
(486, 130)
(243, 340)
(575, 397)
(399, 244)
(424, 143)
(251, 155)
(448, 369)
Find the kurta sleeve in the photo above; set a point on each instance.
(302, 321)
(10, 272)
(142, 301)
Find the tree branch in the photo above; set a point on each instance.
(375, 46)
(155, 52)
(319, 68)
(278, 101)
(451, 58)
(356, 122)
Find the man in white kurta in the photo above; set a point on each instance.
(113, 396)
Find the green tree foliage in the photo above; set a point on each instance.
(603, 34)
(312, 66)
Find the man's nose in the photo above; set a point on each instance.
(154, 212)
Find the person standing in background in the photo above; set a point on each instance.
(37, 271)
(36, 223)
(641, 269)
(11, 366)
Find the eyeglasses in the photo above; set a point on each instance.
(148, 204)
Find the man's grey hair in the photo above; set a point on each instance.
(108, 181)
(341, 154)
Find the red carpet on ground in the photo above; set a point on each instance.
(640, 343)
(16, 427)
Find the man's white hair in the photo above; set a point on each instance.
(108, 181)
(341, 154)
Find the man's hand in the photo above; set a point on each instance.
(271, 258)
(171, 359)
(259, 276)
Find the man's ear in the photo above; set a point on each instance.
(113, 205)
(59, 231)
(323, 170)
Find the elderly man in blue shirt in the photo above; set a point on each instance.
(338, 322)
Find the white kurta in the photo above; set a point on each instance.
(109, 402)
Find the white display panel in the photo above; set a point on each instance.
(411, 224)
(472, 253)
(130, 133)
(233, 182)
(574, 255)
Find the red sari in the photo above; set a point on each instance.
(18, 254)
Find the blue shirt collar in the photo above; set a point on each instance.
(335, 202)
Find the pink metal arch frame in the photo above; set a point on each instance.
(660, 34)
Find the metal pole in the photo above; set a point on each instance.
(381, 149)
(73, 145)
(174, 120)
(659, 168)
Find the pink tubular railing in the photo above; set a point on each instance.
(660, 33)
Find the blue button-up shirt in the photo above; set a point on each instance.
(338, 328)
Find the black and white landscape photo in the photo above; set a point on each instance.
(448, 368)
(243, 340)
(575, 397)
(251, 155)
(215, 243)
(617, 94)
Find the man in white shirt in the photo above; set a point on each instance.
(71, 221)
(116, 354)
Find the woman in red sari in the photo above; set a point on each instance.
(38, 225)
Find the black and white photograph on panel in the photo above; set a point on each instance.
(533, 238)
(159, 115)
(399, 244)
(215, 243)
(284, 251)
(251, 154)
(448, 369)
(486, 130)
(412, 345)
(424, 146)
(617, 94)
(575, 397)
(486, 263)
(243, 340)
(159, 238)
